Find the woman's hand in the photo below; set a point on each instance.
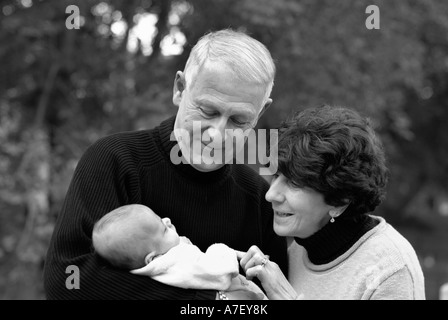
(274, 282)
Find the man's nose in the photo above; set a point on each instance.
(216, 130)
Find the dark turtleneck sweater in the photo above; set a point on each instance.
(224, 206)
(336, 238)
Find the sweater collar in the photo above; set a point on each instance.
(334, 239)
(168, 142)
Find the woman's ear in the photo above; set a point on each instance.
(337, 211)
(178, 87)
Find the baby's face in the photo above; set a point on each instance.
(167, 235)
(163, 234)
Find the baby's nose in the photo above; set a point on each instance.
(167, 222)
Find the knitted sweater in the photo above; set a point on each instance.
(223, 206)
(381, 264)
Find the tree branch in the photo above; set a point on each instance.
(42, 107)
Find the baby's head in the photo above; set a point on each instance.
(132, 235)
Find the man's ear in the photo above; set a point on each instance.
(265, 107)
(178, 87)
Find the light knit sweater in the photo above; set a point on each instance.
(382, 264)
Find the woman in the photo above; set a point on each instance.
(331, 176)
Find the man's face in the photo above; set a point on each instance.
(214, 102)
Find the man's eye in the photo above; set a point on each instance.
(207, 112)
(239, 122)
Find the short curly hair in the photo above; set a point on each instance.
(334, 151)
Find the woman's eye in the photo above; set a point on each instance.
(291, 184)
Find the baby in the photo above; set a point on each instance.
(133, 237)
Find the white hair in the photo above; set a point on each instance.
(248, 58)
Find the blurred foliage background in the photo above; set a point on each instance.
(61, 89)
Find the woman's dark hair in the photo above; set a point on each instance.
(334, 151)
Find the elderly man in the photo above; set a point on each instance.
(225, 86)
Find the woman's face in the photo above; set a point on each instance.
(298, 212)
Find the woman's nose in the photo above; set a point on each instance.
(274, 193)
